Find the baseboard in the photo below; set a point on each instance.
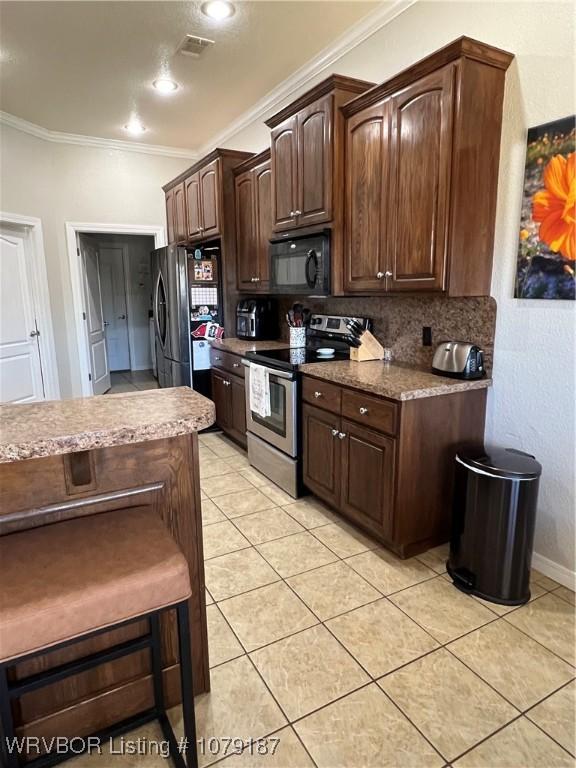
(142, 367)
(553, 570)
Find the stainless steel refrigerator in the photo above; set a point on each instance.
(171, 316)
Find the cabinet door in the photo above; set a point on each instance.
(246, 257)
(322, 450)
(315, 166)
(367, 173)
(368, 478)
(263, 221)
(284, 147)
(193, 222)
(238, 409)
(170, 216)
(421, 150)
(179, 213)
(222, 399)
(210, 198)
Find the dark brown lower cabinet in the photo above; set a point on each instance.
(322, 453)
(229, 399)
(367, 486)
(388, 466)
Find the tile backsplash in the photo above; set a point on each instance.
(398, 321)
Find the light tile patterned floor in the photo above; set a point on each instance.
(356, 659)
(131, 381)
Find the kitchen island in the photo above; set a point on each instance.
(71, 458)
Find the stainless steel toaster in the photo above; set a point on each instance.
(459, 359)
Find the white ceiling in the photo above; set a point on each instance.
(85, 67)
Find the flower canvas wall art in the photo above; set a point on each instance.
(547, 246)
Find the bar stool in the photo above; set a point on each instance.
(74, 580)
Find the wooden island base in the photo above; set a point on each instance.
(163, 474)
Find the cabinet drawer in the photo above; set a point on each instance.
(370, 411)
(321, 394)
(227, 361)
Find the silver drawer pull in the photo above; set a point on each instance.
(363, 410)
(334, 432)
(235, 365)
(379, 275)
(317, 394)
(217, 358)
(341, 435)
(388, 273)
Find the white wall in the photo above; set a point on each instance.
(531, 405)
(63, 182)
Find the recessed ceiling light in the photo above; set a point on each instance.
(218, 9)
(165, 85)
(134, 127)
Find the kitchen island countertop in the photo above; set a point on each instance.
(50, 428)
(393, 380)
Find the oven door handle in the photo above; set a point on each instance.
(311, 278)
(271, 371)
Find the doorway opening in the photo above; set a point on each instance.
(117, 292)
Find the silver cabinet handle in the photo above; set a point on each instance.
(363, 410)
(334, 432)
(317, 395)
(37, 333)
(256, 279)
(235, 365)
(297, 213)
(388, 273)
(341, 435)
(379, 275)
(292, 213)
(252, 279)
(217, 359)
(226, 383)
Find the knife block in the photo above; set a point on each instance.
(369, 349)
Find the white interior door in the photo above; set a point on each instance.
(20, 363)
(114, 306)
(94, 319)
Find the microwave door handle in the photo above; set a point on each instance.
(311, 279)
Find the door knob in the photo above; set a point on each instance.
(334, 432)
(106, 323)
(379, 275)
(34, 333)
(121, 317)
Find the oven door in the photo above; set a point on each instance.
(278, 429)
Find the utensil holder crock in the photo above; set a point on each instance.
(297, 337)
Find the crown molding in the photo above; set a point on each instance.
(59, 137)
(278, 96)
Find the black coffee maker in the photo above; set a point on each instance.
(257, 319)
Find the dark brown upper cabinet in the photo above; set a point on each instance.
(176, 214)
(307, 147)
(422, 154)
(200, 207)
(252, 187)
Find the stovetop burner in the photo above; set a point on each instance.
(291, 359)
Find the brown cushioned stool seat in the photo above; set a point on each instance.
(76, 579)
(64, 580)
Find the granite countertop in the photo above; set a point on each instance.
(241, 346)
(65, 426)
(393, 380)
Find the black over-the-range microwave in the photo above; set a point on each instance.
(301, 265)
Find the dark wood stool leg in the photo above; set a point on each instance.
(10, 759)
(187, 686)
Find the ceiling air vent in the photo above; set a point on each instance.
(192, 45)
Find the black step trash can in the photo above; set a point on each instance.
(494, 512)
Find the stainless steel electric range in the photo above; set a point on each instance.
(275, 441)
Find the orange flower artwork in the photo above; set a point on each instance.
(546, 263)
(554, 207)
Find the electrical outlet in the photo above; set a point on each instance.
(426, 336)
